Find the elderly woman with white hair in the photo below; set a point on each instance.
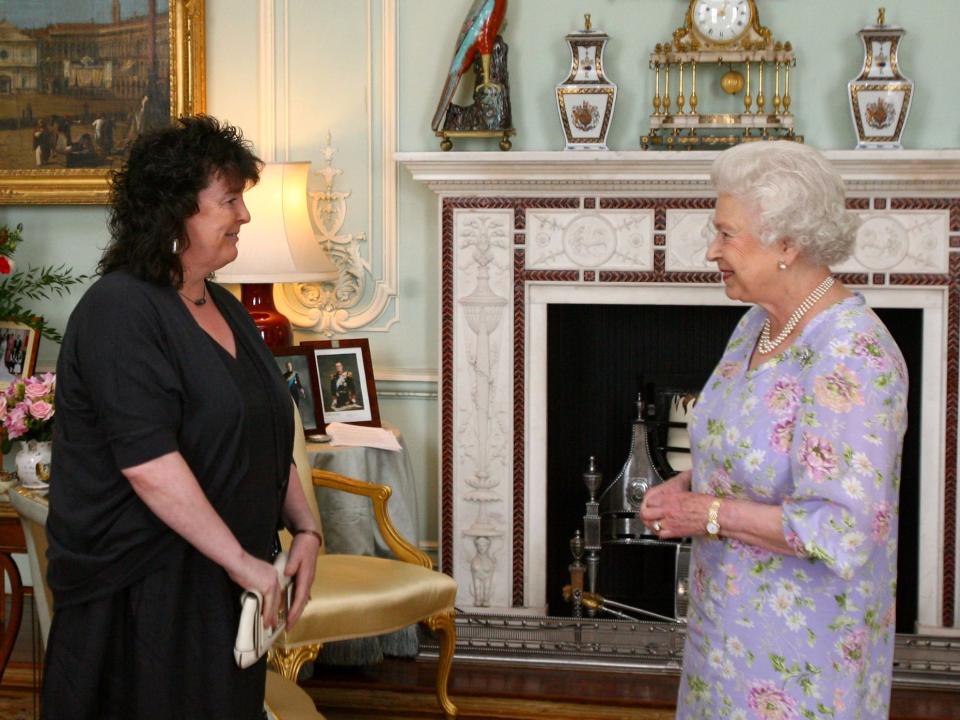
(792, 498)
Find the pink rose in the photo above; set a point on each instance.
(16, 426)
(36, 389)
(41, 410)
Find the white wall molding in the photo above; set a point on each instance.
(379, 309)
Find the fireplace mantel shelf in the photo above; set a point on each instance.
(933, 172)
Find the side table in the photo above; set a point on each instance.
(348, 523)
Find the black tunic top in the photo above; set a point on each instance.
(143, 623)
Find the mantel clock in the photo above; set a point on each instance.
(724, 40)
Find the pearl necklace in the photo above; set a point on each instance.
(766, 346)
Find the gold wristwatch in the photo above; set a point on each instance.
(713, 520)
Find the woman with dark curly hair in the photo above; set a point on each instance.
(172, 467)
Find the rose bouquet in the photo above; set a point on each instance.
(27, 410)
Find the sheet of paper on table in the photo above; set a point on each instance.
(362, 436)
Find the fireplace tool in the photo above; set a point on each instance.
(596, 602)
(613, 521)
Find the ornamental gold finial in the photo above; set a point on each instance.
(882, 16)
(587, 25)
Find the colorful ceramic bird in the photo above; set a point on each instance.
(479, 32)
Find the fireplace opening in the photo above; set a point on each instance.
(599, 357)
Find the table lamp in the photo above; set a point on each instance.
(277, 246)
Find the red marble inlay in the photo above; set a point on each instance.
(955, 241)
(879, 203)
(647, 276)
(950, 442)
(446, 388)
(879, 278)
(519, 238)
(852, 278)
(659, 261)
(659, 240)
(589, 275)
(919, 279)
(519, 443)
(858, 203)
(590, 203)
(660, 218)
(551, 275)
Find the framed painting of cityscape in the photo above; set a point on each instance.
(80, 80)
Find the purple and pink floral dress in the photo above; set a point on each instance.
(817, 429)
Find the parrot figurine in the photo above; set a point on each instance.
(478, 34)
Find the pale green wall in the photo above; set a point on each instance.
(326, 61)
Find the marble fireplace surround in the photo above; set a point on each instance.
(519, 231)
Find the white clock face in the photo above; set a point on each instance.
(721, 20)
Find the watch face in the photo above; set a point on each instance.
(713, 528)
(721, 20)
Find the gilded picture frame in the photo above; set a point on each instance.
(69, 177)
(18, 351)
(347, 390)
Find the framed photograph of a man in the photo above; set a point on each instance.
(345, 380)
(80, 80)
(18, 351)
(296, 366)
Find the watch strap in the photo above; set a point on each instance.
(713, 519)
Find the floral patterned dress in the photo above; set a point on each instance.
(817, 429)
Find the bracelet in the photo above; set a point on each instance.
(317, 535)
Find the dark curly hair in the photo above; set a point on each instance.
(156, 190)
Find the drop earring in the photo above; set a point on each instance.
(781, 265)
(176, 246)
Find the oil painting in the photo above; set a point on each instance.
(80, 80)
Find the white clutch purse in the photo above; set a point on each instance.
(253, 639)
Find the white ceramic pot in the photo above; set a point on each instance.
(880, 96)
(586, 99)
(33, 463)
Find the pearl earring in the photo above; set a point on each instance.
(781, 265)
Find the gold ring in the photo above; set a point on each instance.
(656, 526)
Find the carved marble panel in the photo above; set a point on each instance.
(687, 240)
(903, 242)
(610, 240)
(483, 405)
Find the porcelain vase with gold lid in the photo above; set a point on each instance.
(33, 463)
(880, 96)
(586, 99)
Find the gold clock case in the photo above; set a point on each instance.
(691, 28)
(680, 121)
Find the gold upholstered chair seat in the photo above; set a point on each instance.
(355, 596)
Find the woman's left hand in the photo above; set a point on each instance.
(677, 514)
(301, 564)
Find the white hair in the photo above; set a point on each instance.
(797, 192)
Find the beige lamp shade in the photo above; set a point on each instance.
(278, 244)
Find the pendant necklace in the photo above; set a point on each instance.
(765, 346)
(202, 300)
